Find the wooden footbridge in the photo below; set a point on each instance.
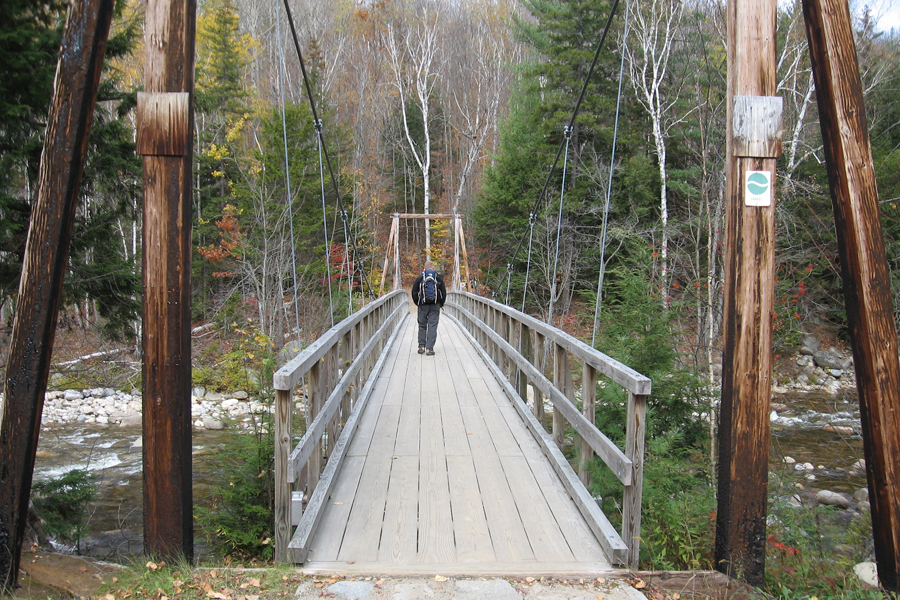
(415, 464)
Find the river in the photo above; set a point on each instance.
(114, 455)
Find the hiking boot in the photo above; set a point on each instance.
(429, 352)
(421, 349)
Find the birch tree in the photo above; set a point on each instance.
(412, 55)
(654, 28)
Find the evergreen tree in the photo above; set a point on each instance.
(101, 269)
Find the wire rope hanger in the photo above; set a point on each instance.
(612, 167)
(287, 176)
(564, 144)
(351, 241)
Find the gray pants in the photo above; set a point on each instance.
(428, 322)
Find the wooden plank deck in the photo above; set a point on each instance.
(442, 477)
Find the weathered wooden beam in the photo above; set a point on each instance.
(165, 134)
(46, 259)
(867, 293)
(749, 291)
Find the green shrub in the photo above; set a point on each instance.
(62, 503)
(241, 517)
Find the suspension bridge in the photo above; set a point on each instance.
(444, 464)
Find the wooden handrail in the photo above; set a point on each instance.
(517, 346)
(337, 370)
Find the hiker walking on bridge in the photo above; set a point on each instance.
(429, 294)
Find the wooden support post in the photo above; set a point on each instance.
(525, 349)
(314, 400)
(392, 237)
(867, 293)
(588, 401)
(753, 142)
(397, 283)
(164, 136)
(45, 264)
(538, 356)
(465, 256)
(632, 498)
(283, 488)
(560, 370)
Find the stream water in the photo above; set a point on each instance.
(821, 430)
(114, 455)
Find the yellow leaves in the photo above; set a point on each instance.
(216, 152)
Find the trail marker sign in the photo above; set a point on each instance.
(758, 188)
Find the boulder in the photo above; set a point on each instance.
(809, 345)
(838, 429)
(828, 360)
(240, 395)
(214, 424)
(830, 498)
(861, 495)
(230, 403)
(73, 395)
(867, 573)
(131, 420)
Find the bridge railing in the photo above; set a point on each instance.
(526, 352)
(337, 373)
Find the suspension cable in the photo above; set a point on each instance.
(531, 219)
(575, 111)
(312, 103)
(287, 174)
(318, 126)
(562, 195)
(612, 166)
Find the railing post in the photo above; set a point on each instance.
(314, 404)
(537, 359)
(525, 350)
(332, 362)
(588, 400)
(283, 487)
(634, 450)
(560, 369)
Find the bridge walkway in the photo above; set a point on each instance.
(443, 477)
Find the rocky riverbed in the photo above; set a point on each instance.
(105, 406)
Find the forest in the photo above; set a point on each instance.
(452, 106)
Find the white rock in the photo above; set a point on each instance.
(72, 395)
(86, 409)
(788, 460)
(213, 424)
(231, 402)
(867, 573)
(240, 395)
(809, 466)
(830, 498)
(103, 420)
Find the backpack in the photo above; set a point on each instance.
(428, 289)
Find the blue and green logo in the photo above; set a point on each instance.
(757, 183)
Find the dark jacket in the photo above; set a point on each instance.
(441, 290)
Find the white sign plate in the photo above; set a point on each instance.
(758, 188)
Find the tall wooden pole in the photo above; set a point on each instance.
(46, 260)
(753, 143)
(866, 278)
(164, 139)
